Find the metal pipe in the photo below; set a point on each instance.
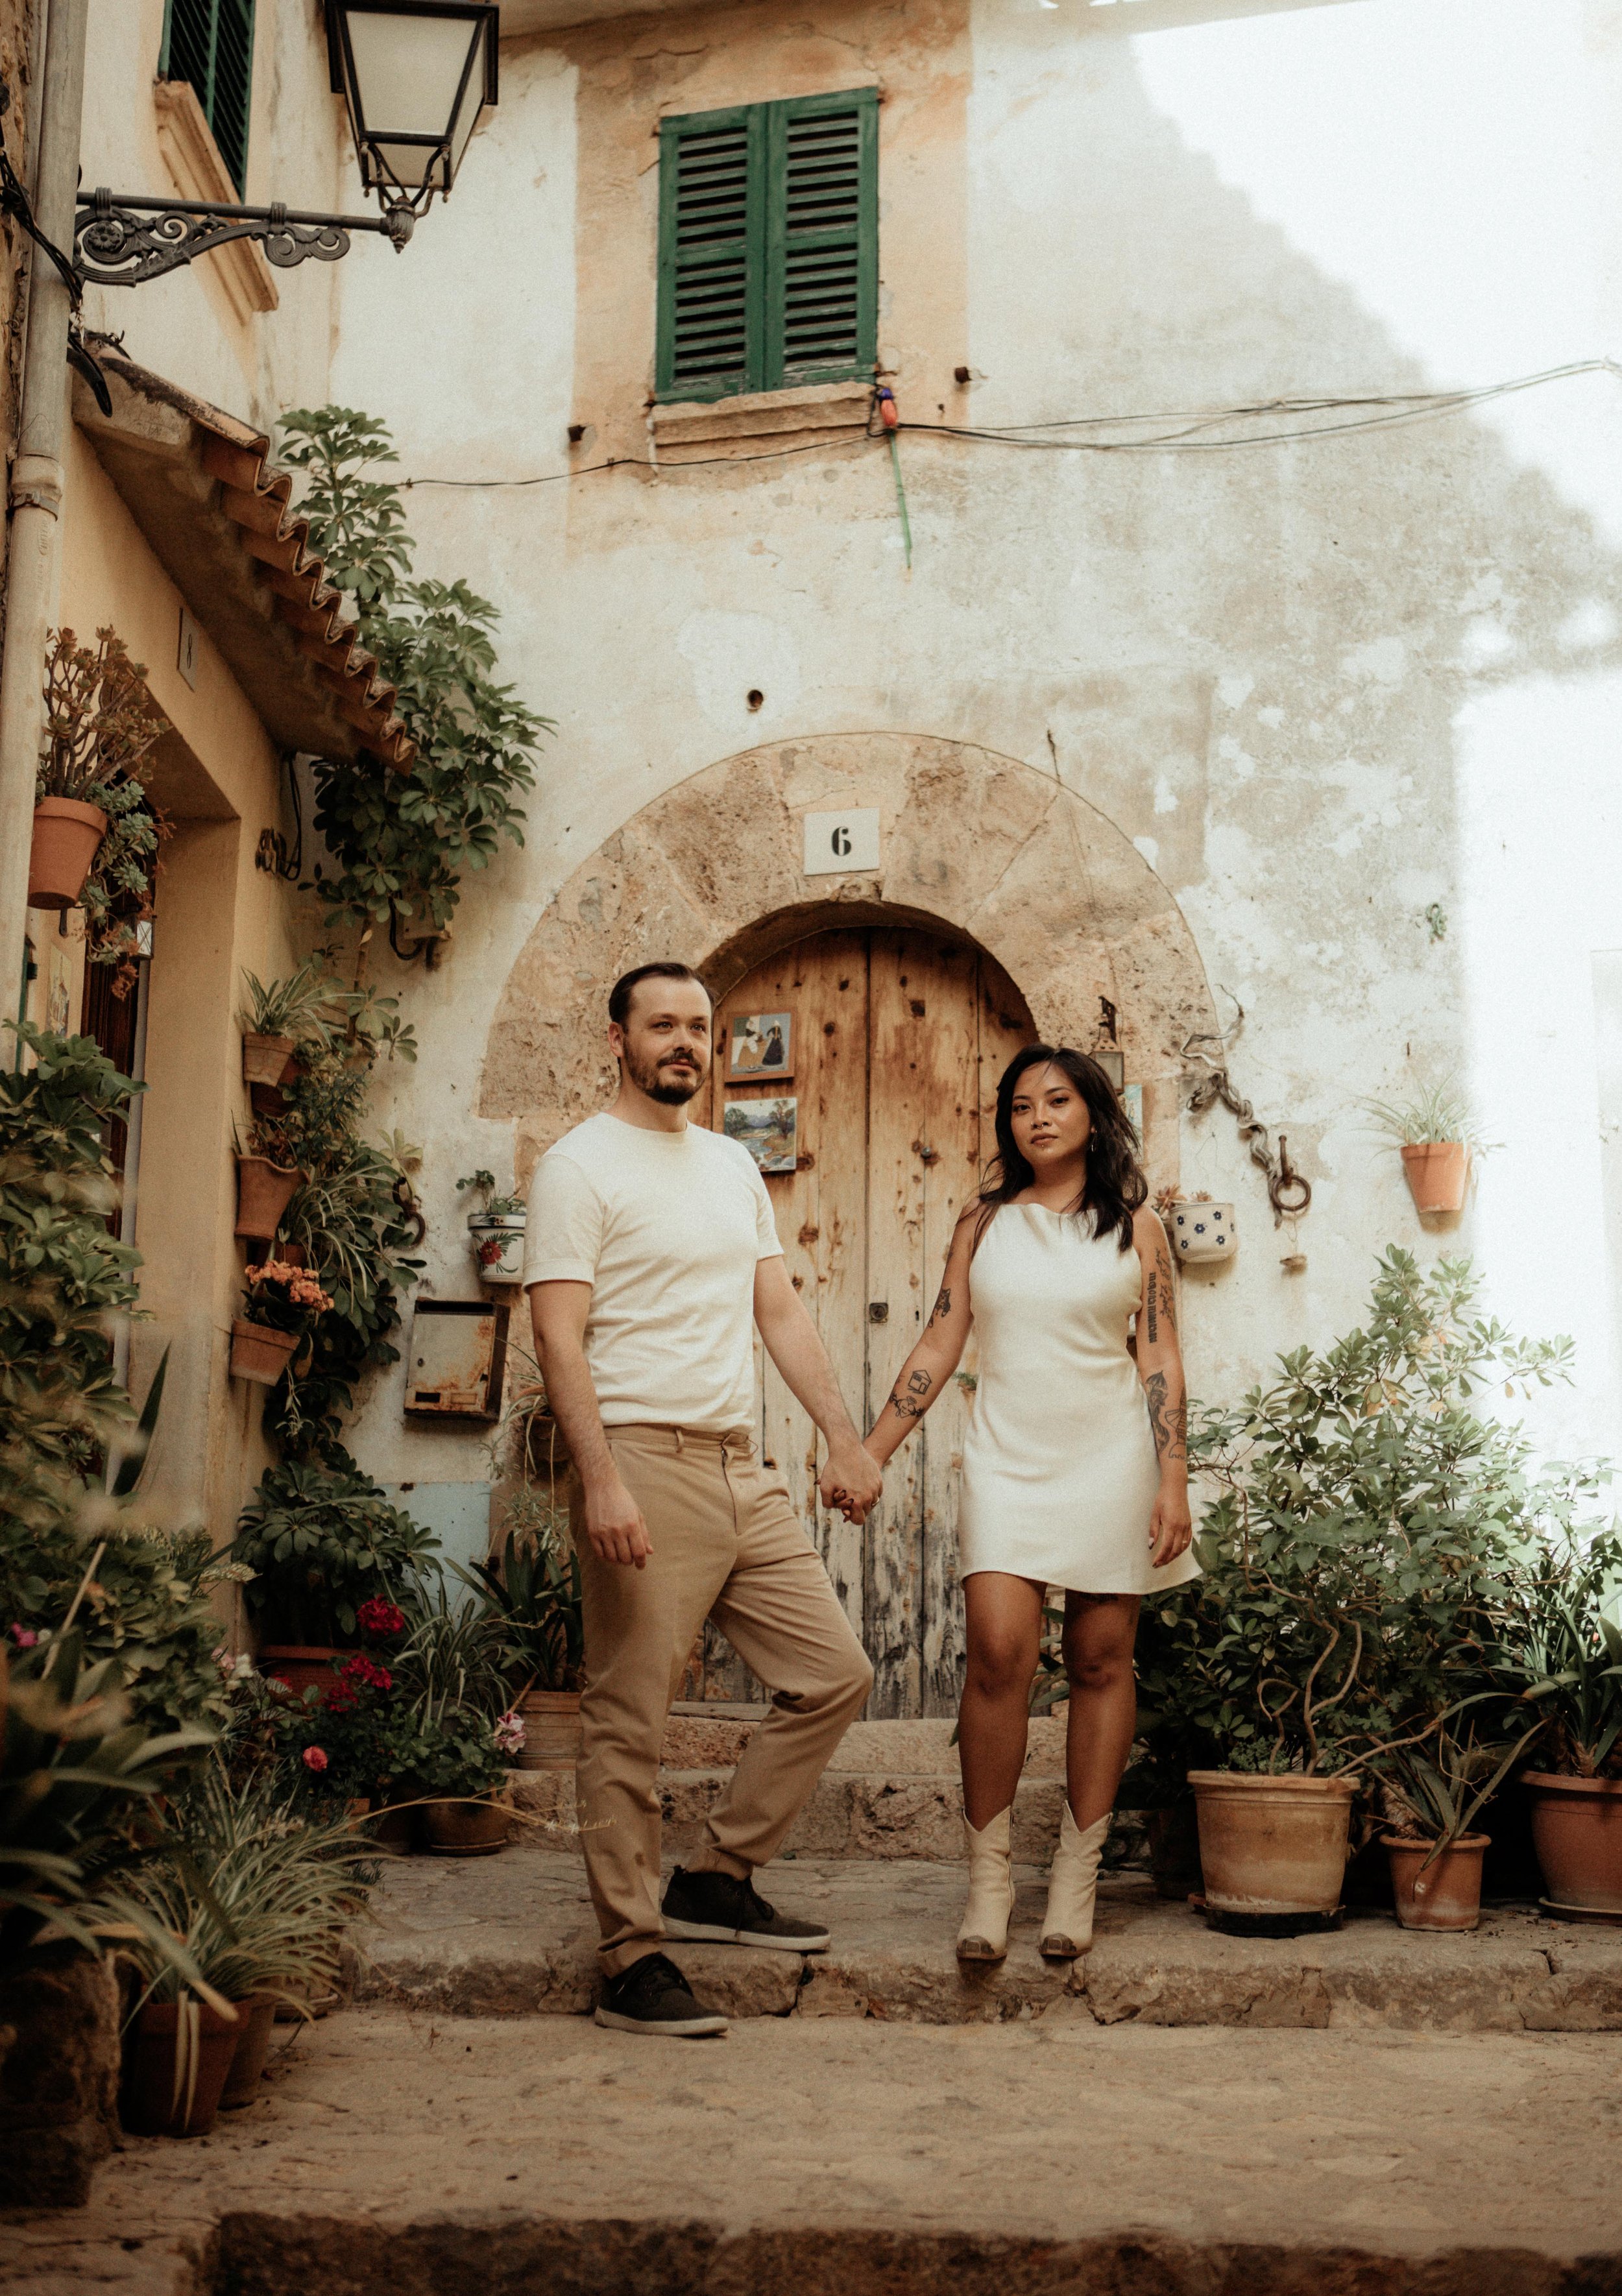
(34, 574)
(132, 1140)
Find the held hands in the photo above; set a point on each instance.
(851, 1481)
(1171, 1526)
(614, 1524)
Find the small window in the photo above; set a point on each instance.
(768, 245)
(209, 43)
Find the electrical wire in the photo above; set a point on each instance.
(1370, 411)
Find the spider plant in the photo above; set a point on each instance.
(535, 1592)
(1570, 1668)
(453, 1659)
(296, 1007)
(1433, 1113)
(280, 1886)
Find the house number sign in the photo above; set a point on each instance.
(837, 843)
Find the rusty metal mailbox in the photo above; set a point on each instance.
(458, 1359)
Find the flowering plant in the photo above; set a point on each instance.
(283, 1297)
(509, 1732)
(381, 1618)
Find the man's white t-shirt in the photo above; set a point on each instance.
(667, 1228)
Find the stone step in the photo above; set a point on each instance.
(912, 1814)
(697, 1740)
(515, 1936)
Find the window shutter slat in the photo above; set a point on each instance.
(821, 293)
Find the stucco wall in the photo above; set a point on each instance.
(1320, 685)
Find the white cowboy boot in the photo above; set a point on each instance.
(1066, 1926)
(984, 1934)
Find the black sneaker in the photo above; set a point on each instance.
(720, 1907)
(652, 1996)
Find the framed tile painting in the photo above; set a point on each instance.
(760, 1047)
(768, 1129)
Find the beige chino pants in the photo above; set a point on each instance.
(727, 1544)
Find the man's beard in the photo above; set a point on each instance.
(673, 1086)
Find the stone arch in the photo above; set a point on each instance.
(972, 843)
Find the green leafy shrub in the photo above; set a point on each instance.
(535, 1591)
(404, 839)
(99, 729)
(1563, 1655)
(321, 1540)
(63, 1278)
(1361, 1551)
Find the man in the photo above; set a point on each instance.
(651, 1248)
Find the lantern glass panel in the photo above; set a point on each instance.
(409, 70)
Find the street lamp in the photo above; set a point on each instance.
(416, 80)
(416, 77)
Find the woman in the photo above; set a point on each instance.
(1075, 1467)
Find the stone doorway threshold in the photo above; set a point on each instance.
(413, 2155)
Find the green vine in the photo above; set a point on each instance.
(403, 840)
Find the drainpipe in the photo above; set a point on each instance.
(34, 573)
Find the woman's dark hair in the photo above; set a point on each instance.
(1115, 1186)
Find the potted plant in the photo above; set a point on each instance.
(321, 1541)
(260, 1892)
(496, 1235)
(99, 728)
(1433, 1792)
(268, 1176)
(1568, 1666)
(535, 1591)
(1358, 1572)
(1439, 1141)
(458, 1764)
(278, 1305)
(1202, 1232)
(74, 1768)
(280, 1014)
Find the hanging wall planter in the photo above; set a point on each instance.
(1437, 1173)
(1202, 1232)
(259, 1354)
(264, 1192)
(266, 1059)
(67, 835)
(497, 1241)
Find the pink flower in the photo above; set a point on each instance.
(508, 1734)
(314, 1760)
(24, 1637)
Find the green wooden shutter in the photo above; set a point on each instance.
(711, 223)
(209, 43)
(822, 239)
(768, 246)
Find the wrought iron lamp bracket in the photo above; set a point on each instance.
(122, 241)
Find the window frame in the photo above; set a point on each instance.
(767, 242)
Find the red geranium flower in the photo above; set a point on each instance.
(314, 1760)
(378, 1616)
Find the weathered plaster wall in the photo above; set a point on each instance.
(1320, 685)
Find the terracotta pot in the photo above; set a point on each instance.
(168, 2091)
(1173, 1851)
(66, 835)
(264, 1192)
(394, 1828)
(1437, 1173)
(298, 1665)
(466, 1829)
(1272, 1847)
(258, 2016)
(259, 1354)
(265, 1058)
(1577, 1826)
(552, 1730)
(1445, 1894)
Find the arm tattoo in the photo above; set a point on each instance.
(903, 1408)
(1168, 1419)
(1152, 1306)
(943, 1305)
(920, 1382)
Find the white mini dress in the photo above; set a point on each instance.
(1060, 1472)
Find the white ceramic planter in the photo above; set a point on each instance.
(497, 1244)
(1201, 1233)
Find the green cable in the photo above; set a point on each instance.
(906, 528)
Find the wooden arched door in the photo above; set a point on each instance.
(891, 1058)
